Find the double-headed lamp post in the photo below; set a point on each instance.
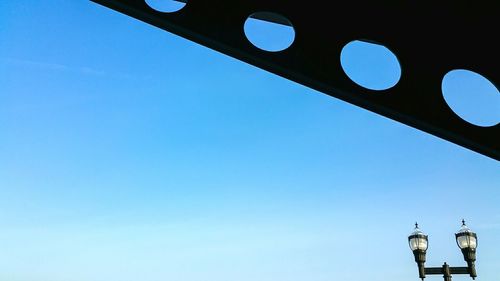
(467, 242)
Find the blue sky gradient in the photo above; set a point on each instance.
(128, 153)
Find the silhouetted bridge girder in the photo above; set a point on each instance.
(429, 38)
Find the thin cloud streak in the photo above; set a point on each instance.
(85, 70)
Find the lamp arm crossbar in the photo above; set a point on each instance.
(440, 270)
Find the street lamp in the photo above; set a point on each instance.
(466, 241)
(418, 244)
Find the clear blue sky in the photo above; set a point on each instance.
(128, 153)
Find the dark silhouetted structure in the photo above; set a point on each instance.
(430, 38)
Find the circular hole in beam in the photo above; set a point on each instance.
(269, 31)
(472, 97)
(166, 6)
(370, 65)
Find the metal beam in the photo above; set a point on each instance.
(430, 38)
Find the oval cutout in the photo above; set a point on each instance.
(269, 31)
(472, 97)
(370, 65)
(166, 6)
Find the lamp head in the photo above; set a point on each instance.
(417, 240)
(418, 243)
(467, 242)
(466, 239)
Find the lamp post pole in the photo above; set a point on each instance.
(466, 241)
